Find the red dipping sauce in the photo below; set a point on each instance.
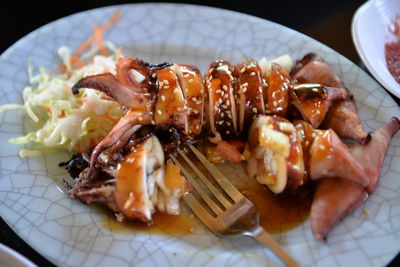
(392, 51)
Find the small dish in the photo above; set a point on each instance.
(11, 258)
(370, 33)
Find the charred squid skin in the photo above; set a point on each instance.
(131, 122)
(112, 87)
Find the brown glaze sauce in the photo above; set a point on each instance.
(278, 213)
(163, 224)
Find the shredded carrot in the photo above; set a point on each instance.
(62, 115)
(118, 53)
(110, 118)
(48, 110)
(75, 60)
(97, 37)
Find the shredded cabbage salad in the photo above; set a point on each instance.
(65, 121)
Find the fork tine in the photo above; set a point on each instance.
(198, 209)
(211, 203)
(231, 191)
(217, 194)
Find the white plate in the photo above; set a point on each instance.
(69, 233)
(11, 258)
(370, 33)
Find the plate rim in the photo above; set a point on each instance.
(121, 6)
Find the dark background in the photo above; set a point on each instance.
(327, 21)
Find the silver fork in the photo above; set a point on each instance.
(232, 215)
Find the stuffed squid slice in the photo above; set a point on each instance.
(277, 93)
(170, 106)
(221, 106)
(135, 186)
(143, 183)
(249, 92)
(193, 90)
(276, 159)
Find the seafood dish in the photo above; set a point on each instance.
(292, 124)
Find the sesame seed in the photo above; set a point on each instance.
(228, 123)
(253, 73)
(245, 84)
(244, 89)
(225, 87)
(222, 93)
(191, 80)
(228, 132)
(194, 99)
(220, 100)
(186, 75)
(166, 86)
(130, 160)
(163, 97)
(254, 109)
(160, 84)
(322, 147)
(159, 111)
(222, 114)
(317, 112)
(228, 103)
(314, 90)
(274, 104)
(195, 111)
(201, 91)
(154, 75)
(218, 91)
(165, 81)
(220, 122)
(229, 116)
(197, 127)
(243, 70)
(176, 90)
(198, 102)
(140, 118)
(153, 122)
(224, 106)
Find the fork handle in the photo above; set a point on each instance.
(266, 239)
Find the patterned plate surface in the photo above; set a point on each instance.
(69, 233)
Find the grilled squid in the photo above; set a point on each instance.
(335, 198)
(249, 91)
(232, 104)
(343, 117)
(314, 100)
(276, 154)
(221, 106)
(170, 107)
(194, 93)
